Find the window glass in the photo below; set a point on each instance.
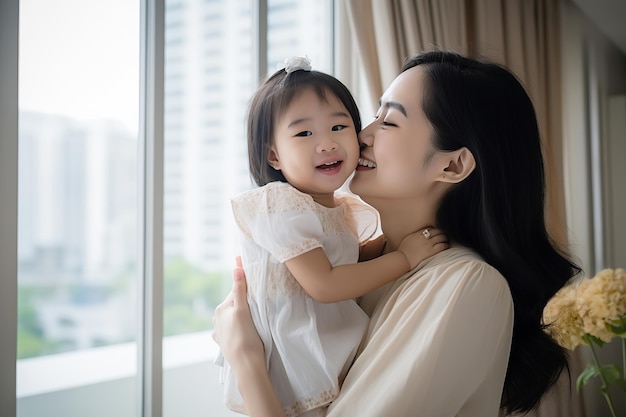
(300, 28)
(78, 244)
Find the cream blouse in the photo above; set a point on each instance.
(437, 344)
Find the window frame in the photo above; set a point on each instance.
(9, 30)
(150, 182)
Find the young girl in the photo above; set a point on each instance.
(300, 240)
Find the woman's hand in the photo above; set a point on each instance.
(242, 347)
(234, 329)
(423, 244)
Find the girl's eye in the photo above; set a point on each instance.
(337, 128)
(304, 133)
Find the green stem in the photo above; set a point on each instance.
(605, 385)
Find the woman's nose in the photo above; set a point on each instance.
(366, 137)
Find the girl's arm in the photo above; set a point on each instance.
(240, 344)
(372, 248)
(327, 284)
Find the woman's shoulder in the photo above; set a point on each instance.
(457, 257)
(460, 267)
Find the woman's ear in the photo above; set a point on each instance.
(272, 159)
(459, 164)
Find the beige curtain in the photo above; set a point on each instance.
(520, 34)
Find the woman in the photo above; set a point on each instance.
(454, 144)
(300, 241)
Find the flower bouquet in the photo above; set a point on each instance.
(592, 312)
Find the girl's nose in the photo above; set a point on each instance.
(326, 145)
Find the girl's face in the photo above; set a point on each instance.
(315, 145)
(395, 162)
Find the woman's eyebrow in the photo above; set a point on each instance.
(393, 105)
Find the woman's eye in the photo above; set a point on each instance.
(387, 123)
(304, 133)
(337, 128)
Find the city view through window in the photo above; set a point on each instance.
(79, 245)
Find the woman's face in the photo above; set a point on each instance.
(394, 163)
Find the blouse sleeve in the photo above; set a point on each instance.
(437, 344)
(280, 219)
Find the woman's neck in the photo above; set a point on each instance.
(398, 221)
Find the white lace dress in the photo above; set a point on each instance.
(309, 346)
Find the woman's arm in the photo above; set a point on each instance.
(327, 284)
(240, 344)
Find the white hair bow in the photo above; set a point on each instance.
(297, 63)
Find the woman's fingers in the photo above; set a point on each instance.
(438, 238)
(229, 302)
(430, 232)
(233, 327)
(240, 290)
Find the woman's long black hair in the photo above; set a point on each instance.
(498, 210)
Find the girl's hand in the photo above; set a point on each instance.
(423, 244)
(234, 330)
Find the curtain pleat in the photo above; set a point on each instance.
(360, 15)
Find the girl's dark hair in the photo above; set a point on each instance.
(498, 210)
(270, 102)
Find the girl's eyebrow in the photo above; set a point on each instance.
(304, 119)
(393, 105)
(298, 121)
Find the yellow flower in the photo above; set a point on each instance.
(589, 306)
(561, 317)
(591, 312)
(601, 301)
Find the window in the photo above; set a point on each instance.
(78, 246)
(209, 77)
(81, 189)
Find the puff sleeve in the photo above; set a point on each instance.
(280, 219)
